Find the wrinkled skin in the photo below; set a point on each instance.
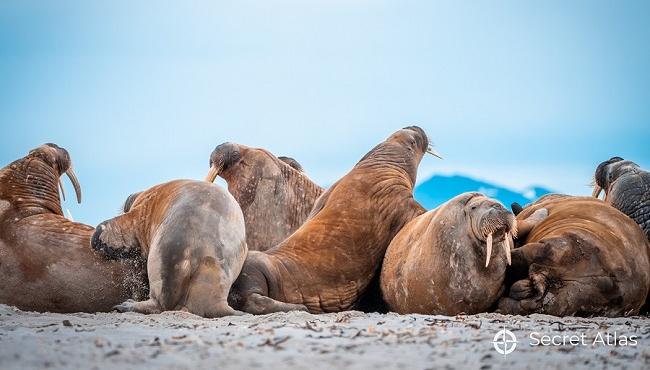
(585, 258)
(192, 234)
(275, 195)
(327, 264)
(627, 188)
(437, 263)
(46, 263)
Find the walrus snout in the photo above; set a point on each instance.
(59, 159)
(224, 156)
(602, 177)
(498, 225)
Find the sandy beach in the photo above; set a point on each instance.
(298, 340)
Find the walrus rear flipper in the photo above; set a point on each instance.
(526, 295)
(516, 208)
(147, 307)
(113, 243)
(258, 304)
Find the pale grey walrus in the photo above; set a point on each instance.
(274, 193)
(327, 264)
(46, 263)
(451, 259)
(585, 259)
(192, 234)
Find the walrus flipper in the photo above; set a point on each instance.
(258, 304)
(526, 225)
(113, 242)
(147, 307)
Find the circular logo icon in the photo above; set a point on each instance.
(505, 342)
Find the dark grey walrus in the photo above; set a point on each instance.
(627, 188)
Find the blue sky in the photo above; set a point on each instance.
(512, 92)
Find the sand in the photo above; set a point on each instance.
(298, 340)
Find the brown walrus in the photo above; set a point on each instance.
(443, 261)
(586, 258)
(329, 261)
(192, 234)
(274, 193)
(46, 263)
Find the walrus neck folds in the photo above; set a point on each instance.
(31, 185)
(388, 154)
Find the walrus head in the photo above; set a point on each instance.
(609, 171)
(491, 223)
(274, 193)
(404, 149)
(31, 182)
(292, 163)
(627, 188)
(228, 158)
(59, 160)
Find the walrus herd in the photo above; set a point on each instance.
(275, 241)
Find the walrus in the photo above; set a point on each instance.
(46, 263)
(443, 261)
(627, 188)
(274, 193)
(585, 258)
(192, 235)
(327, 264)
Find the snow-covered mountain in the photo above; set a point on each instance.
(438, 189)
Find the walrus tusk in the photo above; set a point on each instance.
(489, 249)
(61, 187)
(212, 175)
(75, 183)
(432, 151)
(597, 190)
(507, 246)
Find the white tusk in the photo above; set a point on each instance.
(69, 215)
(507, 247)
(431, 151)
(61, 187)
(489, 249)
(597, 190)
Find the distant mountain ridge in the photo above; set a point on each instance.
(440, 188)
